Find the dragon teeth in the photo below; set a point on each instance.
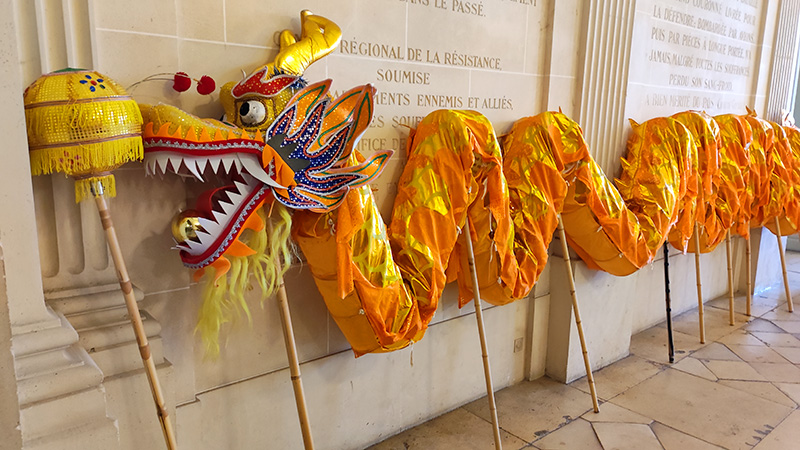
(194, 168)
(215, 164)
(236, 198)
(201, 243)
(228, 208)
(241, 188)
(254, 169)
(219, 216)
(227, 163)
(209, 226)
(175, 162)
(161, 165)
(202, 165)
(150, 166)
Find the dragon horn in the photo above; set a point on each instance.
(319, 38)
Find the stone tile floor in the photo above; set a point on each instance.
(741, 390)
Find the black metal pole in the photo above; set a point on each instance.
(669, 303)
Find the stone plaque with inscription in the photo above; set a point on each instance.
(424, 55)
(693, 54)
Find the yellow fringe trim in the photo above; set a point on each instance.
(224, 296)
(83, 187)
(86, 159)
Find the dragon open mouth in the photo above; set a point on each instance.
(202, 150)
(304, 158)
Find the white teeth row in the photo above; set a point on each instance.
(212, 229)
(159, 163)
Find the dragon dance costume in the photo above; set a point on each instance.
(287, 145)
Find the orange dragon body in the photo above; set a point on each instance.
(287, 145)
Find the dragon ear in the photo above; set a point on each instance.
(319, 38)
(285, 39)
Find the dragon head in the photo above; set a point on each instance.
(282, 140)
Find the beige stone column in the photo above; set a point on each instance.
(608, 25)
(784, 60)
(78, 277)
(9, 414)
(61, 399)
(601, 45)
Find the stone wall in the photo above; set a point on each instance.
(601, 62)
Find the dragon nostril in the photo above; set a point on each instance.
(244, 109)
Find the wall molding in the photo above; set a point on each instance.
(605, 79)
(783, 79)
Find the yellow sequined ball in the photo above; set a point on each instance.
(83, 124)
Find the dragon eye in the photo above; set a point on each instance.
(252, 113)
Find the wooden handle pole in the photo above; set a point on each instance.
(668, 301)
(294, 362)
(783, 266)
(136, 321)
(487, 373)
(749, 275)
(730, 277)
(576, 312)
(700, 317)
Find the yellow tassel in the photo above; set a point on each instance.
(213, 313)
(86, 159)
(225, 301)
(83, 187)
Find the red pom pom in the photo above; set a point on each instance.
(206, 85)
(181, 82)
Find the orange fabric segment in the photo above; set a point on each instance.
(349, 255)
(712, 212)
(736, 135)
(688, 210)
(762, 162)
(619, 231)
(535, 194)
(382, 286)
(453, 160)
(786, 176)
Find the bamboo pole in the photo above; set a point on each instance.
(291, 354)
(700, 317)
(730, 277)
(749, 274)
(135, 317)
(783, 266)
(487, 373)
(668, 301)
(576, 312)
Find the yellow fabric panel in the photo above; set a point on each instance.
(536, 190)
(762, 163)
(349, 256)
(712, 212)
(736, 135)
(788, 147)
(453, 160)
